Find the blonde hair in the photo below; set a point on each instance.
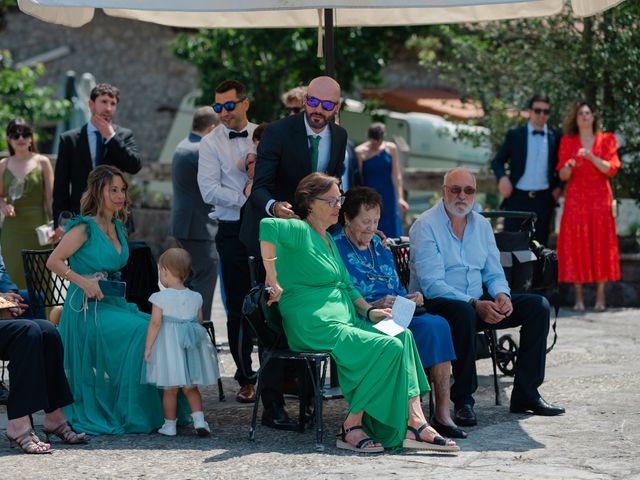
(177, 261)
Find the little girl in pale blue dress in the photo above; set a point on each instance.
(178, 353)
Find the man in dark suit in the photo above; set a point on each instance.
(290, 149)
(530, 154)
(287, 154)
(98, 142)
(190, 222)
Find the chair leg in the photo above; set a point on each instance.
(493, 349)
(254, 416)
(318, 377)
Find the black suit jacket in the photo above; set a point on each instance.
(283, 160)
(74, 165)
(513, 154)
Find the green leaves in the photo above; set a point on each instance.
(20, 96)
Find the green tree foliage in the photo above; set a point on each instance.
(501, 64)
(271, 61)
(20, 96)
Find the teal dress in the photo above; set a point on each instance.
(104, 344)
(377, 373)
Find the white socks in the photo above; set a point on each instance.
(169, 428)
(200, 424)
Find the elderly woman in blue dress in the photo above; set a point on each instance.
(372, 270)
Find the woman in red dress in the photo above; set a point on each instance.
(587, 242)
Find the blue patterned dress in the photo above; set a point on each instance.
(374, 275)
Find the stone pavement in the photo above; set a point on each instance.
(594, 371)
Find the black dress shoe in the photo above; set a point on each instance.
(276, 417)
(537, 407)
(448, 430)
(465, 416)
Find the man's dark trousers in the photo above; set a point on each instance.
(234, 268)
(531, 312)
(541, 202)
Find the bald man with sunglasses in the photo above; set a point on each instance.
(292, 148)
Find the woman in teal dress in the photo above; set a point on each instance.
(103, 336)
(380, 375)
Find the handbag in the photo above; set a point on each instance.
(265, 319)
(516, 259)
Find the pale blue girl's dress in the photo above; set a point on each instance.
(182, 354)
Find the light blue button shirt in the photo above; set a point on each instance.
(444, 266)
(536, 169)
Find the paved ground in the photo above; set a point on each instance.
(594, 371)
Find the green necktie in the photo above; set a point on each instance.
(314, 144)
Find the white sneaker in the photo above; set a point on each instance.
(169, 428)
(200, 424)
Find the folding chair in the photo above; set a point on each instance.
(401, 250)
(272, 339)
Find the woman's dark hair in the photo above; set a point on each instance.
(357, 197)
(257, 133)
(376, 131)
(311, 186)
(570, 122)
(100, 177)
(20, 125)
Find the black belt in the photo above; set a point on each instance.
(531, 193)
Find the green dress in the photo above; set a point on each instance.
(104, 346)
(19, 232)
(377, 373)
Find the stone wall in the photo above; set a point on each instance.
(134, 56)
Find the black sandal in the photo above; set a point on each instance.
(361, 447)
(439, 444)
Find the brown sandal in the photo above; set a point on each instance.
(29, 443)
(65, 433)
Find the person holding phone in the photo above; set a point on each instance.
(103, 335)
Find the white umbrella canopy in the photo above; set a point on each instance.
(302, 13)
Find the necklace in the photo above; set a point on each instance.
(374, 274)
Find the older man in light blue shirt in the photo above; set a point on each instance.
(453, 256)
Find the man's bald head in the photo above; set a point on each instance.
(322, 92)
(459, 192)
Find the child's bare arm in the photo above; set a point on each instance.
(152, 331)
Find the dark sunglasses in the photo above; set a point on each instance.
(327, 105)
(17, 135)
(538, 111)
(456, 189)
(228, 106)
(294, 110)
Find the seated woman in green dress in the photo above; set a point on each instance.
(381, 376)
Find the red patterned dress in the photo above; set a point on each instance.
(587, 242)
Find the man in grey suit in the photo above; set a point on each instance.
(190, 222)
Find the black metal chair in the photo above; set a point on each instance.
(273, 347)
(401, 250)
(46, 289)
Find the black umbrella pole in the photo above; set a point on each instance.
(329, 47)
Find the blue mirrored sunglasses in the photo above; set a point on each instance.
(327, 105)
(228, 106)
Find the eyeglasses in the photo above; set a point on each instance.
(327, 105)
(538, 111)
(332, 202)
(228, 106)
(293, 110)
(17, 135)
(457, 189)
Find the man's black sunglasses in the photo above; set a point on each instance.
(228, 106)
(293, 110)
(538, 111)
(327, 105)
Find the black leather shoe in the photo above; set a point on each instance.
(448, 430)
(537, 407)
(465, 416)
(276, 417)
